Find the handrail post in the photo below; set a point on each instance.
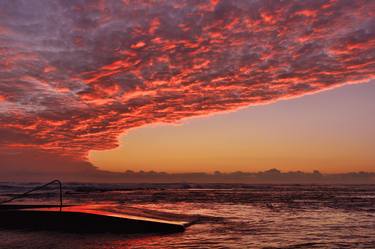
(61, 197)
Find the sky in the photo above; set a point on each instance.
(331, 131)
(77, 75)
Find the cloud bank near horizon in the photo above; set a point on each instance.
(74, 75)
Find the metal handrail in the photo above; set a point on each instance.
(35, 189)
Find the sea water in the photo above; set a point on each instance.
(230, 216)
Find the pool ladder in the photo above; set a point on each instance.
(36, 189)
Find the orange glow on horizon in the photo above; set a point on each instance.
(281, 135)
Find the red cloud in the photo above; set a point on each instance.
(76, 75)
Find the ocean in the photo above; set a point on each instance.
(229, 216)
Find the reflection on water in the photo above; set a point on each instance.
(231, 216)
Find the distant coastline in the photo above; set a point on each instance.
(272, 176)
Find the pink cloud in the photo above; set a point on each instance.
(76, 75)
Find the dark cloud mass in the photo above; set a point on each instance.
(76, 74)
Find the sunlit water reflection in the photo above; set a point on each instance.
(231, 216)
